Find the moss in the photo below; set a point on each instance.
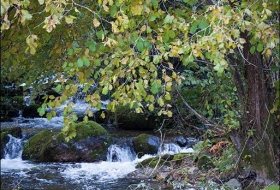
(36, 145)
(145, 144)
(90, 128)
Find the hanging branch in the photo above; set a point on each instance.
(198, 116)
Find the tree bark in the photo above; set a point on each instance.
(257, 137)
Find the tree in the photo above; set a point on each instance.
(126, 49)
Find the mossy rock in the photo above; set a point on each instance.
(128, 119)
(146, 144)
(87, 129)
(89, 145)
(205, 162)
(164, 160)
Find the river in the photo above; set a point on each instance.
(106, 175)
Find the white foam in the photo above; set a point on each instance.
(101, 171)
(15, 164)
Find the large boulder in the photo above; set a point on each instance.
(89, 145)
(14, 131)
(146, 144)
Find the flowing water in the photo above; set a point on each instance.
(106, 175)
(110, 174)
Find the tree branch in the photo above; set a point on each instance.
(198, 116)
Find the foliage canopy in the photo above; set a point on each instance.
(131, 50)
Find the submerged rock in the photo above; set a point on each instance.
(90, 144)
(146, 144)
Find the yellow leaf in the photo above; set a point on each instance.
(136, 9)
(96, 23)
(106, 8)
(102, 115)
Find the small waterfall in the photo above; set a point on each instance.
(118, 153)
(170, 148)
(13, 148)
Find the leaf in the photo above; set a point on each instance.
(85, 61)
(105, 90)
(167, 97)
(140, 45)
(136, 9)
(154, 88)
(171, 34)
(156, 59)
(58, 88)
(260, 47)
(252, 49)
(203, 24)
(193, 28)
(80, 63)
(168, 19)
(151, 107)
(70, 51)
(41, 2)
(51, 97)
(96, 23)
(26, 15)
(69, 19)
(160, 102)
(113, 10)
(169, 113)
(103, 115)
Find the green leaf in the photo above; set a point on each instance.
(156, 59)
(147, 45)
(166, 38)
(203, 24)
(100, 34)
(80, 63)
(92, 47)
(260, 47)
(140, 45)
(97, 62)
(168, 19)
(85, 61)
(252, 49)
(69, 19)
(113, 10)
(58, 88)
(105, 90)
(160, 102)
(152, 17)
(193, 28)
(70, 51)
(26, 15)
(171, 34)
(154, 88)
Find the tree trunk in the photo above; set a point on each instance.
(257, 139)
